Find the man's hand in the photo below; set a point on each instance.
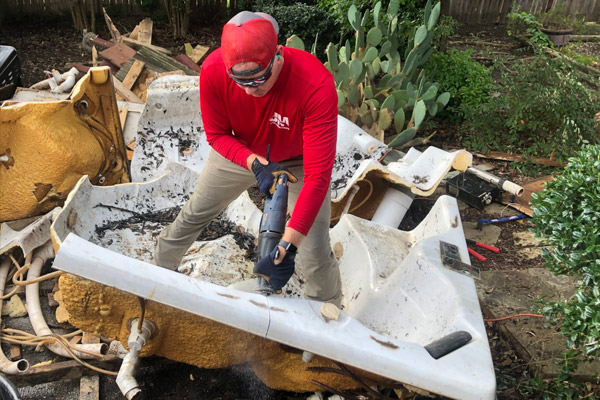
(267, 174)
(276, 268)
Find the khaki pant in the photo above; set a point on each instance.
(221, 182)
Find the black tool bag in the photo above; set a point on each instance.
(10, 72)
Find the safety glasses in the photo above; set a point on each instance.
(256, 81)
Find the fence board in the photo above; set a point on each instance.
(492, 11)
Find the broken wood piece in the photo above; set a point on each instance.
(160, 62)
(188, 49)
(134, 33)
(133, 74)
(522, 203)
(94, 56)
(198, 53)
(496, 155)
(113, 68)
(101, 43)
(136, 44)
(114, 32)
(75, 340)
(123, 116)
(89, 338)
(145, 32)
(15, 351)
(185, 60)
(89, 387)
(81, 68)
(124, 92)
(118, 55)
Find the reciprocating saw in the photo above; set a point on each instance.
(272, 226)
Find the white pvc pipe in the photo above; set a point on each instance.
(393, 207)
(126, 377)
(46, 82)
(503, 184)
(7, 366)
(68, 83)
(38, 322)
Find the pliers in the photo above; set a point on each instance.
(483, 246)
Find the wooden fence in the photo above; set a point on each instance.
(128, 7)
(492, 11)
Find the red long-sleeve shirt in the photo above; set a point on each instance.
(298, 116)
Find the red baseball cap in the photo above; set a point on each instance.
(249, 37)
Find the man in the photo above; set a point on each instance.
(257, 95)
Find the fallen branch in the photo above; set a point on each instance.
(481, 43)
(584, 38)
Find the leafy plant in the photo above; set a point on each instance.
(468, 81)
(523, 23)
(375, 87)
(567, 216)
(303, 19)
(540, 108)
(557, 18)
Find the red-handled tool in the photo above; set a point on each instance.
(483, 246)
(476, 255)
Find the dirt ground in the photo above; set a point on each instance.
(42, 46)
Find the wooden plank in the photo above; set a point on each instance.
(133, 74)
(123, 111)
(136, 44)
(81, 68)
(185, 60)
(199, 53)
(134, 33)
(161, 62)
(101, 43)
(118, 55)
(145, 32)
(89, 387)
(125, 93)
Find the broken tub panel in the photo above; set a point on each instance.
(399, 298)
(74, 137)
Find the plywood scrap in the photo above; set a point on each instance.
(198, 53)
(522, 203)
(185, 60)
(123, 116)
(101, 43)
(118, 55)
(160, 62)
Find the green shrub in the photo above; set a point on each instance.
(468, 81)
(541, 108)
(567, 216)
(304, 20)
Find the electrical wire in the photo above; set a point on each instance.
(512, 316)
(16, 336)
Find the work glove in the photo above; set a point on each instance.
(266, 175)
(277, 275)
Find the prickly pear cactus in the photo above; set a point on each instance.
(375, 87)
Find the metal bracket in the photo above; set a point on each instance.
(451, 259)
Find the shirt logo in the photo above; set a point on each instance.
(280, 122)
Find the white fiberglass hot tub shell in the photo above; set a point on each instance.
(398, 297)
